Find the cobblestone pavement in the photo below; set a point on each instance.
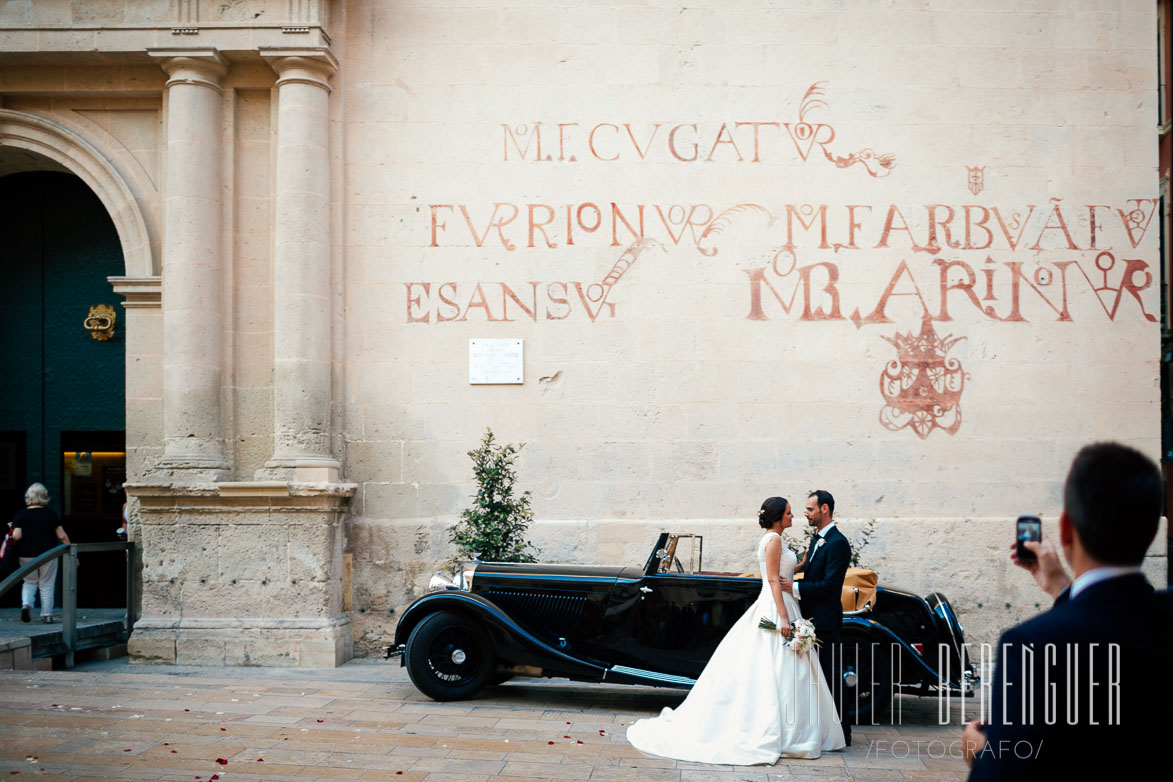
(113, 721)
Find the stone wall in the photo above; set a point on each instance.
(816, 180)
(901, 250)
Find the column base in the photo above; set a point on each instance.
(241, 573)
(296, 469)
(189, 469)
(242, 642)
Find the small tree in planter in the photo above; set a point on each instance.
(494, 527)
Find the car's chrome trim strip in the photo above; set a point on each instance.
(658, 677)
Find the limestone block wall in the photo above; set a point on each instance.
(902, 251)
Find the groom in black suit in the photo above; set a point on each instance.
(821, 589)
(1083, 691)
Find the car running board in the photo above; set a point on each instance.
(649, 676)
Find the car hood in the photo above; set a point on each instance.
(552, 571)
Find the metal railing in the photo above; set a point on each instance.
(68, 552)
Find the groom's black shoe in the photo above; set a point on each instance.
(847, 734)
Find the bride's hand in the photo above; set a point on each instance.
(784, 628)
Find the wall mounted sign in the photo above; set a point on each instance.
(495, 362)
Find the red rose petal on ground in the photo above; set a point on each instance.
(126, 750)
(214, 776)
(222, 761)
(549, 742)
(602, 733)
(260, 760)
(223, 728)
(566, 737)
(190, 710)
(166, 743)
(580, 741)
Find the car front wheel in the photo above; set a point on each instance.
(449, 657)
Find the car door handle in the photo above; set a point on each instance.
(645, 590)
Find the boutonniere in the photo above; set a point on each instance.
(819, 545)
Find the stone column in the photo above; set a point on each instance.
(301, 269)
(193, 429)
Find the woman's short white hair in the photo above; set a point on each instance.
(37, 494)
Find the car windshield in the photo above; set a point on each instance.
(681, 553)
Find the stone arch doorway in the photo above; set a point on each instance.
(62, 418)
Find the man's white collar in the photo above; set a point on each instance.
(1096, 575)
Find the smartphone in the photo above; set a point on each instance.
(1027, 528)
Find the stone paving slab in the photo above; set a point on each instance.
(110, 720)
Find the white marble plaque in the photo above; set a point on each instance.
(495, 361)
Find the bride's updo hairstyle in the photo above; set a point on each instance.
(773, 509)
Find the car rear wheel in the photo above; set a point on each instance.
(449, 657)
(865, 662)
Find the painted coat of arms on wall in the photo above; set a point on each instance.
(922, 386)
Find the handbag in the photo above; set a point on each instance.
(9, 559)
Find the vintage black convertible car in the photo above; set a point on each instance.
(653, 625)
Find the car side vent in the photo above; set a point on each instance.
(543, 614)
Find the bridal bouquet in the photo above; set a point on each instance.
(802, 634)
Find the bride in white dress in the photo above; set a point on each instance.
(756, 700)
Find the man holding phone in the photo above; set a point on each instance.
(1082, 690)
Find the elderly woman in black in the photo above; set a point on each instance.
(35, 528)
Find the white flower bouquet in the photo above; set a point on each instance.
(802, 634)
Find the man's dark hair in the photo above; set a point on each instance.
(824, 498)
(1113, 499)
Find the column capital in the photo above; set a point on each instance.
(204, 66)
(308, 66)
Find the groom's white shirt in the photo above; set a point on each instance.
(822, 536)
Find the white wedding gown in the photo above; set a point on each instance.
(756, 700)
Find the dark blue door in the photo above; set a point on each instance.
(62, 392)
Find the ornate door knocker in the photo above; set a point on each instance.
(100, 322)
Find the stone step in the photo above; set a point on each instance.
(33, 645)
(16, 654)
